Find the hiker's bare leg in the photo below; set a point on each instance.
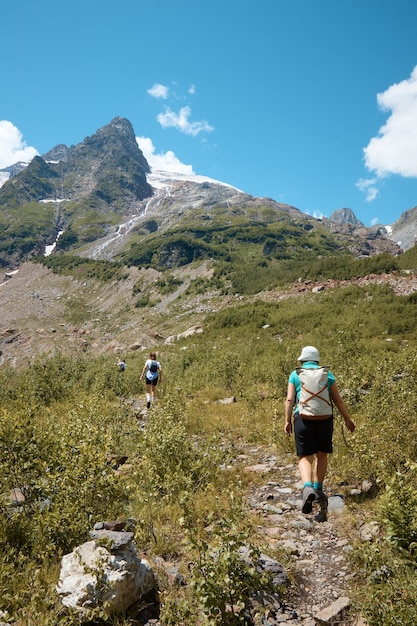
(148, 393)
(305, 467)
(320, 467)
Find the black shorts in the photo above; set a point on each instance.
(153, 381)
(312, 436)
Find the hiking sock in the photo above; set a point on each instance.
(321, 497)
(308, 484)
(148, 397)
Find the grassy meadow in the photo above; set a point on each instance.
(63, 420)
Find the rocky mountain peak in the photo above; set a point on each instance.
(107, 167)
(58, 153)
(404, 230)
(110, 166)
(345, 216)
(84, 187)
(113, 141)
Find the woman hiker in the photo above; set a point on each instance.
(313, 422)
(153, 371)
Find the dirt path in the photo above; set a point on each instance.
(317, 551)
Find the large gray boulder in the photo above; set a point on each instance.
(105, 570)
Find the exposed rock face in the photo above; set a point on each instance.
(14, 169)
(404, 230)
(58, 153)
(116, 168)
(108, 165)
(93, 574)
(363, 240)
(84, 184)
(345, 216)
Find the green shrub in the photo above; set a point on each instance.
(62, 418)
(398, 509)
(83, 268)
(222, 581)
(170, 462)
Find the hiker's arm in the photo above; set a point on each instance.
(145, 367)
(337, 399)
(289, 403)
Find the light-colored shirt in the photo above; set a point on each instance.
(152, 375)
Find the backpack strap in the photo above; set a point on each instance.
(317, 394)
(313, 394)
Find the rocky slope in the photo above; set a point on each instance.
(43, 312)
(314, 566)
(404, 230)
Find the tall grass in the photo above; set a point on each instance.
(62, 419)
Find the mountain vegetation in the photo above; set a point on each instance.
(65, 417)
(261, 280)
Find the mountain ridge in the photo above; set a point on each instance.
(90, 190)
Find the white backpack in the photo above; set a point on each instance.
(314, 400)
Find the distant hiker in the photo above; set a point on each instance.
(153, 371)
(121, 365)
(312, 390)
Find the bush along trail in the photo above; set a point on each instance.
(312, 582)
(314, 578)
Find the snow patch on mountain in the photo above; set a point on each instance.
(160, 179)
(55, 200)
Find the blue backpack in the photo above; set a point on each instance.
(153, 367)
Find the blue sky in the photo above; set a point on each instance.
(310, 103)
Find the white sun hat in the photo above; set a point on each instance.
(309, 353)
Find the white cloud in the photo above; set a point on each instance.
(166, 162)
(374, 221)
(159, 91)
(181, 122)
(368, 186)
(394, 150)
(12, 146)
(192, 90)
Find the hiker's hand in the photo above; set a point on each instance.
(350, 425)
(288, 428)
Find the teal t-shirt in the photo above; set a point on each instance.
(295, 380)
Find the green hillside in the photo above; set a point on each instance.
(248, 250)
(63, 417)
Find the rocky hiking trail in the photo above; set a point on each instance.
(319, 571)
(316, 566)
(110, 321)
